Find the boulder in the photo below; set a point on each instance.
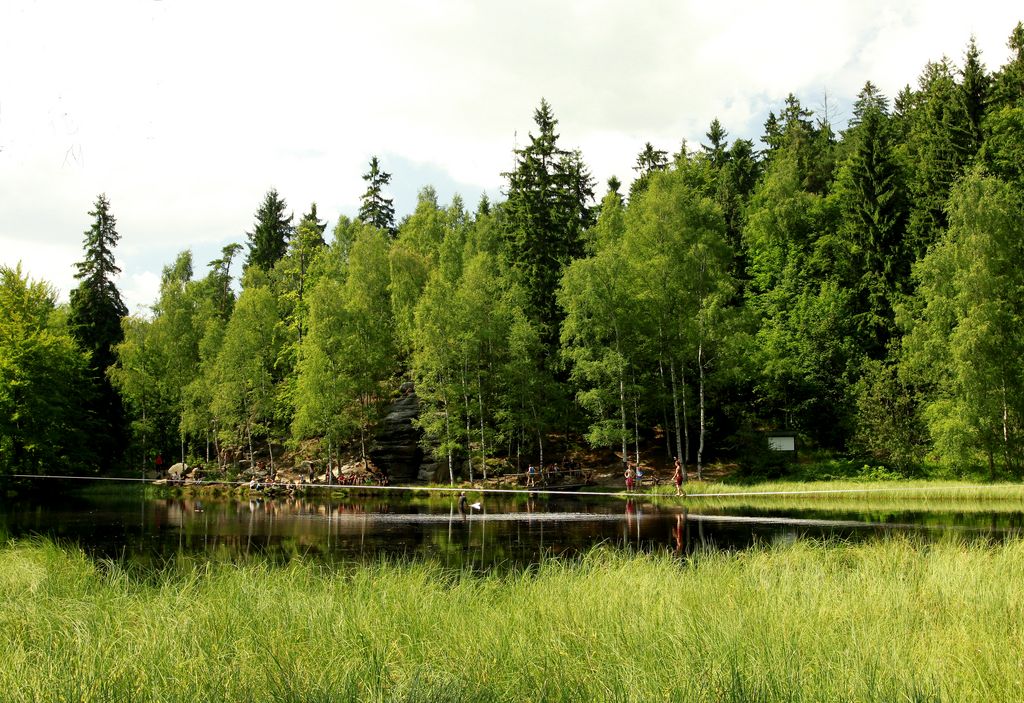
(176, 471)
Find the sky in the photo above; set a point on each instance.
(185, 113)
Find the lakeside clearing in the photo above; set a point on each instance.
(888, 620)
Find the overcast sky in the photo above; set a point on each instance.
(185, 113)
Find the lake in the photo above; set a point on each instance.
(127, 522)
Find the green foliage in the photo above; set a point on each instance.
(964, 329)
(857, 288)
(323, 394)
(413, 256)
(799, 291)
(350, 352)
(44, 383)
(889, 423)
(599, 334)
(245, 373)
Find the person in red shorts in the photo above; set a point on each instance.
(677, 477)
(630, 475)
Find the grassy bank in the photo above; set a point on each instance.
(879, 622)
(916, 496)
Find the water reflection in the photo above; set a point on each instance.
(479, 533)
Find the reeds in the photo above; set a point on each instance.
(883, 621)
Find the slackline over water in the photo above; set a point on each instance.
(534, 491)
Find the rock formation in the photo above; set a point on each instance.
(396, 447)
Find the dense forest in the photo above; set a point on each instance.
(861, 288)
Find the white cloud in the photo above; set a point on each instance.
(186, 112)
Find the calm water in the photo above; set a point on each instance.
(120, 522)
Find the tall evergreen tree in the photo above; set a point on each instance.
(219, 279)
(975, 86)
(716, 135)
(269, 239)
(648, 161)
(870, 98)
(294, 268)
(874, 208)
(377, 210)
(739, 174)
(1008, 83)
(939, 145)
(95, 318)
(547, 210)
(96, 305)
(794, 133)
(314, 225)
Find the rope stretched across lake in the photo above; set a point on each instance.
(532, 490)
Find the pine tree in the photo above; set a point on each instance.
(96, 305)
(269, 239)
(314, 225)
(95, 318)
(716, 134)
(1008, 83)
(975, 86)
(547, 211)
(293, 271)
(869, 98)
(377, 210)
(220, 279)
(940, 145)
(647, 162)
(874, 209)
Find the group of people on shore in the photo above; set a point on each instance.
(541, 476)
(633, 475)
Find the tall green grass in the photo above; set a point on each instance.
(888, 621)
(856, 495)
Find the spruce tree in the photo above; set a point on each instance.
(940, 145)
(975, 86)
(1008, 83)
(95, 318)
(547, 210)
(648, 161)
(716, 150)
(314, 226)
(377, 210)
(268, 240)
(875, 212)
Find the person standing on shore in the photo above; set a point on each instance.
(630, 476)
(677, 477)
